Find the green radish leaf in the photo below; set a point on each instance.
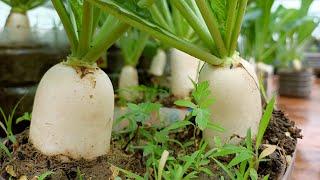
(129, 12)
(265, 122)
(185, 103)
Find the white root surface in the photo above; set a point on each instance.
(238, 102)
(73, 113)
(17, 28)
(158, 63)
(128, 79)
(183, 68)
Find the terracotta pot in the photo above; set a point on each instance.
(295, 83)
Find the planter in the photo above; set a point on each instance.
(28, 161)
(313, 61)
(21, 69)
(295, 83)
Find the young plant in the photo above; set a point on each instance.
(17, 23)
(199, 105)
(73, 109)
(132, 45)
(257, 32)
(217, 23)
(247, 157)
(294, 29)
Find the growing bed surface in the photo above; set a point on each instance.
(28, 162)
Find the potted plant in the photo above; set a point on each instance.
(294, 30)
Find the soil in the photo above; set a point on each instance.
(29, 162)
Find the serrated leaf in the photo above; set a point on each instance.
(202, 117)
(185, 103)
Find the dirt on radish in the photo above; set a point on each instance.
(30, 162)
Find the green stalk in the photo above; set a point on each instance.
(66, 21)
(230, 23)
(164, 8)
(195, 23)
(158, 17)
(212, 25)
(105, 39)
(160, 34)
(86, 30)
(139, 49)
(237, 27)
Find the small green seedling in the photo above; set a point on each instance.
(199, 104)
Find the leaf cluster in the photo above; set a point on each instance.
(215, 23)
(22, 6)
(199, 105)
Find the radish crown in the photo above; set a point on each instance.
(80, 20)
(217, 23)
(22, 6)
(132, 45)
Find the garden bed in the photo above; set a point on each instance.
(28, 162)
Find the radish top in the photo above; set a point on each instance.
(80, 20)
(22, 6)
(217, 23)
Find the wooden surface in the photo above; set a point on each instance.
(306, 113)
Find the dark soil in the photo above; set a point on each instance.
(283, 133)
(29, 162)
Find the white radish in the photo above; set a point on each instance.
(238, 102)
(18, 28)
(158, 63)
(73, 112)
(183, 68)
(128, 79)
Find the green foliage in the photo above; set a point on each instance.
(80, 20)
(294, 28)
(132, 45)
(22, 6)
(257, 31)
(212, 46)
(200, 103)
